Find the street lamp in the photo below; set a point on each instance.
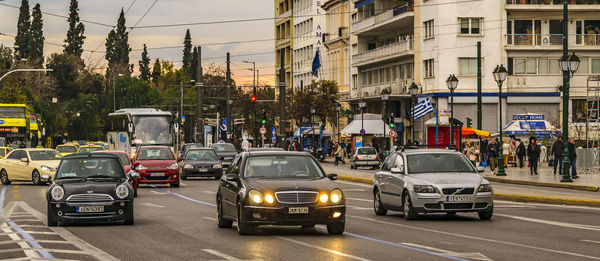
(362, 104)
(500, 74)
(568, 64)
(338, 107)
(413, 90)
(385, 96)
(452, 83)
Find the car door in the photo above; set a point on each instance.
(10, 163)
(231, 188)
(396, 181)
(383, 177)
(16, 170)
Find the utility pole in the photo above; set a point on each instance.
(479, 118)
(228, 100)
(180, 115)
(282, 100)
(566, 177)
(199, 99)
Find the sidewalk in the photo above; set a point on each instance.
(546, 178)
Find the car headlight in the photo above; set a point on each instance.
(48, 169)
(57, 193)
(217, 166)
(336, 196)
(485, 188)
(323, 198)
(140, 167)
(269, 198)
(255, 196)
(188, 166)
(424, 189)
(122, 191)
(173, 166)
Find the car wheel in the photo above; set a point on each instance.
(174, 185)
(336, 228)
(486, 214)
(352, 166)
(222, 222)
(377, 205)
(129, 219)
(243, 228)
(35, 177)
(4, 178)
(409, 211)
(218, 177)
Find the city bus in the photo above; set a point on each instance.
(130, 128)
(35, 132)
(15, 125)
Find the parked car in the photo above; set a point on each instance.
(28, 165)
(90, 187)
(67, 149)
(365, 157)
(418, 181)
(187, 146)
(90, 148)
(4, 151)
(201, 162)
(226, 152)
(127, 164)
(157, 165)
(279, 188)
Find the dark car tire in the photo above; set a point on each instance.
(135, 191)
(218, 176)
(221, 221)
(129, 220)
(486, 214)
(51, 222)
(352, 166)
(409, 211)
(4, 178)
(243, 228)
(174, 185)
(336, 228)
(377, 205)
(36, 178)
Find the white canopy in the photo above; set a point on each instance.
(371, 126)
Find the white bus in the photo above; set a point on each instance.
(130, 128)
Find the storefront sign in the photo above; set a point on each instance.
(524, 117)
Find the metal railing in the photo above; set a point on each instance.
(384, 51)
(550, 39)
(382, 17)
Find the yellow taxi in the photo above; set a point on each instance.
(29, 165)
(89, 148)
(4, 151)
(67, 149)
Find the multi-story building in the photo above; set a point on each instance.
(309, 27)
(284, 34)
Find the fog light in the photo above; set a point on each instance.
(256, 215)
(57, 205)
(336, 214)
(122, 203)
(59, 213)
(120, 212)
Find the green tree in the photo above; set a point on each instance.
(322, 95)
(145, 65)
(156, 71)
(75, 37)
(195, 60)
(6, 58)
(66, 70)
(36, 40)
(117, 48)
(133, 92)
(23, 25)
(187, 53)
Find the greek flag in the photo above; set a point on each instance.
(421, 109)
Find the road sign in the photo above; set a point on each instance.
(273, 132)
(362, 132)
(393, 133)
(263, 130)
(274, 139)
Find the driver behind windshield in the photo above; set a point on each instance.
(88, 167)
(282, 167)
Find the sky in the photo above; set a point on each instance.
(164, 12)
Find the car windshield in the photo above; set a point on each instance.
(155, 154)
(223, 147)
(66, 149)
(89, 167)
(366, 151)
(208, 155)
(153, 129)
(274, 167)
(89, 149)
(122, 157)
(44, 155)
(438, 163)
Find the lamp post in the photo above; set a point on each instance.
(312, 126)
(452, 83)
(338, 107)
(500, 74)
(413, 90)
(362, 104)
(385, 96)
(568, 65)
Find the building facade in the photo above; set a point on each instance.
(309, 27)
(284, 35)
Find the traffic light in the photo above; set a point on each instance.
(469, 122)
(391, 120)
(252, 98)
(264, 117)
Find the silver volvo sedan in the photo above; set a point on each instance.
(416, 181)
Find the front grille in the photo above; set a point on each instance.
(433, 206)
(296, 197)
(458, 205)
(89, 197)
(157, 177)
(481, 205)
(464, 191)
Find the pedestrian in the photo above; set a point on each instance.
(493, 155)
(557, 152)
(339, 154)
(483, 148)
(349, 149)
(324, 151)
(343, 146)
(471, 153)
(573, 158)
(533, 152)
(506, 151)
(521, 153)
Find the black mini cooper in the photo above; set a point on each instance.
(279, 188)
(90, 187)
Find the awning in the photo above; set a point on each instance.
(525, 126)
(363, 3)
(470, 131)
(372, 127)
(309, 131)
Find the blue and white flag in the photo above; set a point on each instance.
(316, 65)
(422, 108)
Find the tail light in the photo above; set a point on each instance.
(376, 157)
(356, 157)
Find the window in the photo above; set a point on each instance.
(579, 110)
(467, 66)
(470, 26)
(595, 66)
(429, 29)
(525, 65)
(583, 67)
(429, 68)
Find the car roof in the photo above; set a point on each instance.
(265, 149)
(200, 148)
(70, 145)
(430, 151)
(91, 146)
(110, 152)
(276, 153)
(34, 149)
(91, 155)
(154, 147)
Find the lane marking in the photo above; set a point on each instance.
(554, 223)
(16, 186)
(157, 192)
(467, 255)
(361, 199)
(32, 241)
(546, 205)
(2, 195)
(39, 241)
(186, 197)
(359, 208)
(15, 191)
(209, 218)
(219, 254)
(152, 205)
(353, 184)
(208, 192)
(355, 190)
(590, 241)
(338, 253)
(476, 238)
(22, 245)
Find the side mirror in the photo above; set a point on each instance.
(179, 159)
(24, 160)
(231, 177)
(133, 175)
(480, 169)
(332, 176)
(397, 171)
(45, 178)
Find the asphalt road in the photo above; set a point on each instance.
(179, 224)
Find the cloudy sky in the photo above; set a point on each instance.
(209, 34)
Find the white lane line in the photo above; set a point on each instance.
(358, 208)
(159, 193)
(182, 184)
(219, 254)
(354, 184)
(338, 253)
(475, 238)
(209, 218)
(23, 245)
(354, 190)
(152, 205)
(361, 199)
(208, 192)
(467, 255)
(546, 205)
(590, 241)
(554, 223)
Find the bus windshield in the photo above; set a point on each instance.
(153, 129)
(12, 112)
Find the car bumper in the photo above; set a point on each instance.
(208, 173)
(153, 176)
(366, 162)
(436, 203)
(262, 215)
(67, 212)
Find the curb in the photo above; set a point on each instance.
(542, 184)
(507, 196)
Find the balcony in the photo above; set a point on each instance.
(551, 5)
(399, 14)
(399, 87)
(550, 41)
(383, 53)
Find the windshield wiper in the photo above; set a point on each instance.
(101, 177)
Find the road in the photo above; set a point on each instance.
(179, 224)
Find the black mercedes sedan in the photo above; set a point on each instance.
(90, 187)
(279, 188)
(226, 152)
(201, 162)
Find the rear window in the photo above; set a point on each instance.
(366, 151)
(223, 147)
(155, 154)
(66, 149)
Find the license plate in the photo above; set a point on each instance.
(298, 210)
(461, 198)
(87, 209)
(202, 170)
(157, 174)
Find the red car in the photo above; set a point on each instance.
(157, 165)
(127, 162)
